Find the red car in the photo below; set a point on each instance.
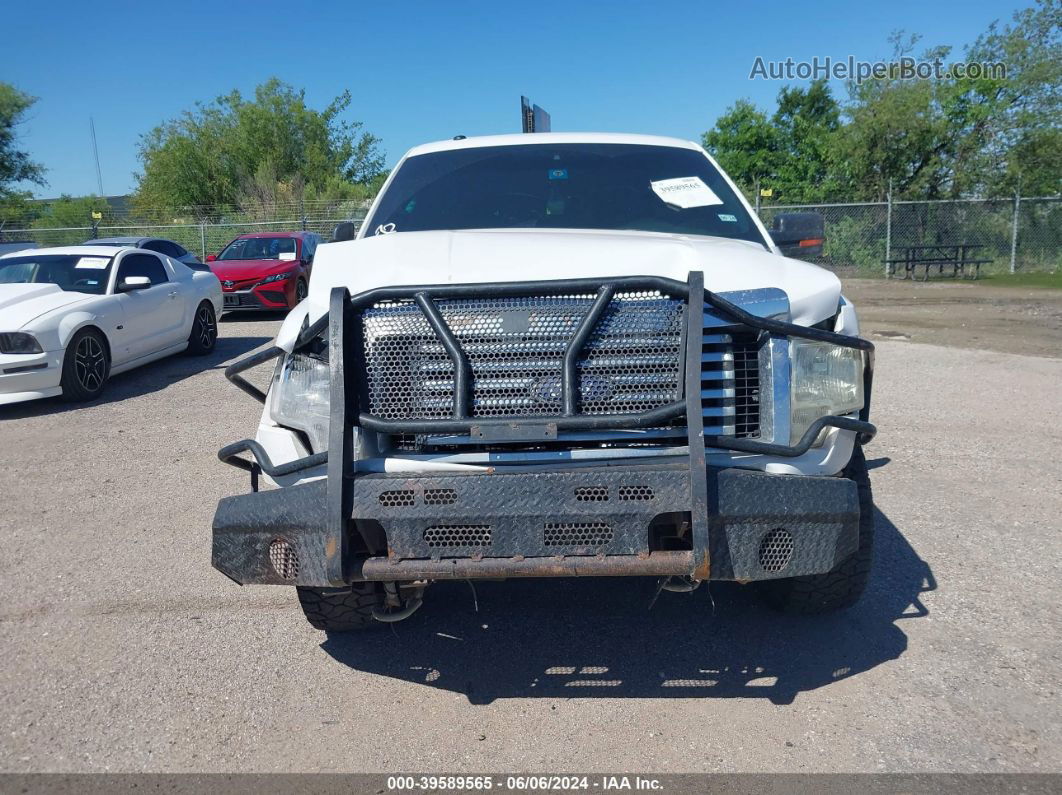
(265, 270)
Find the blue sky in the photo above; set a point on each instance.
(421, 71)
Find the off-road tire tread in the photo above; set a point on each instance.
(344, 611)
(841, 588)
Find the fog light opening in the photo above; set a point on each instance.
(776, 550)
(284, 559)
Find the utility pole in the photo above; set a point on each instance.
(1014, 228)
(96, 155)
(888, 229)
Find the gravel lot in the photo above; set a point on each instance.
(125, 651)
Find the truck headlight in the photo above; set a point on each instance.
(299, 397)
(826, 380)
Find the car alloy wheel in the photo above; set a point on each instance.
(208, 328)
(90, 363)
(300, 291)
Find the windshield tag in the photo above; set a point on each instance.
(286, 256)
(685, 192)
(95, 263)
(385, 229)
(730, 219)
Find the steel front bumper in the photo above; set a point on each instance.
(576, 522)
(582, 521)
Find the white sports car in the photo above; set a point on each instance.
(71, 317)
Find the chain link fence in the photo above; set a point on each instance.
(201, 239)
(1020, 234)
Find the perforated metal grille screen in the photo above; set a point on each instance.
(631, 363)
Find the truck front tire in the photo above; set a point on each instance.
(842, 587)
(342, 611)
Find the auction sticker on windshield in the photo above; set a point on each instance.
(95, 263)
(685, 192)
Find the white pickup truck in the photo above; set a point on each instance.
(557, 355)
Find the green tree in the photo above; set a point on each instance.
(1019, 126)
(788, 152)
(897, 133)
(15, 164)
(955, 137)
(745, 144)
(806, 121)
(948, 137)
(70, 211)
(222, 153)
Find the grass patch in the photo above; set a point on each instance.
(1024, 279)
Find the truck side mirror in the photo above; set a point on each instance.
(344, 231)
(799, 235)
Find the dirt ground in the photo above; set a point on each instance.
(960, 314)
(124, 651)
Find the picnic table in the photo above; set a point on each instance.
(957, 255)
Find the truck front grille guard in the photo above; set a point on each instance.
(347, 398)
(346, 327)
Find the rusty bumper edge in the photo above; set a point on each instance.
(656, 564)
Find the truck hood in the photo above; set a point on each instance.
(21, 303)
(491, 256)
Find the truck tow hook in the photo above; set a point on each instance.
(389, 617)
(682, 584)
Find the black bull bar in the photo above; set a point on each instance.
(314, 520)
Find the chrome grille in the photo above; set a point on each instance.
(730, 384)
(631, 363)
(746, 386)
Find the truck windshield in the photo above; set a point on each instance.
(564, 186)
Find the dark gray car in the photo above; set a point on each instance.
(159, 244)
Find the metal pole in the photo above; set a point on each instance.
(888, 229)
(1014, 229)
(96, 154)
(202, 240)
(757, 189)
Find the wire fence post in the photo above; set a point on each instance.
(1014, 232)
(202, 241)
(756, 188)
(888, 230)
